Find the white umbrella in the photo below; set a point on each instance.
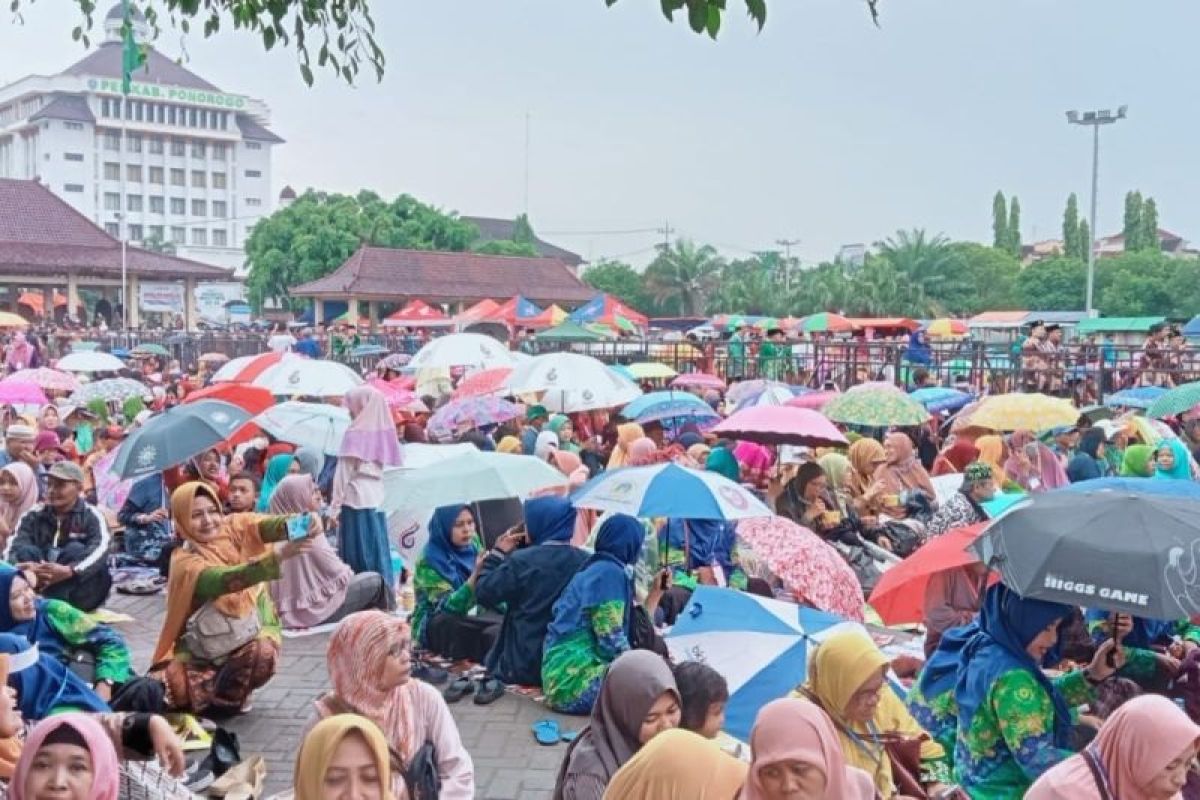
(469, 478)
(230, 369)
(316, 425)
(308, 377)
(416, 455)
(572, 382)
(669, 490)
(463, 350)
(90, 361)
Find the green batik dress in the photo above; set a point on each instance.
(435, 593)
(81, 631)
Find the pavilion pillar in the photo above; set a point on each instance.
(47, 302)
(352, 310)
(73, 297)
(189, 304)
(318, 311)
(373, 314)
(129, 298)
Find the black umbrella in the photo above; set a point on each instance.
(176, 435)
(1118, 544)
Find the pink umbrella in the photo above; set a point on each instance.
(813, 400)
(699, 380)
(51, 379)
(781, 425)
(398, 397)
(810, 569)
(483, 383)
(21, 393)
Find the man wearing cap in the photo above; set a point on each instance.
(964, 507)
(64, 541)
(535, 418)
(18, 446)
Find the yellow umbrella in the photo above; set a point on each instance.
(10, 320)
(1015, 412)
(947, 328)
(650, 370)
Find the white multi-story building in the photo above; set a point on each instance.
(177, 160)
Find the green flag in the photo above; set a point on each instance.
(131, 55)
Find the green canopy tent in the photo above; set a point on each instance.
(567, 332)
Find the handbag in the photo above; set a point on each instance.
(421, 776)
(211, 636)
(904, 755)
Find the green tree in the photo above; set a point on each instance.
(621, 281)
(1055, 284)
(1086, 245)
(523, 231)
(924, 262)
(1013, 238)
(155, 244)
(749, 286)
(505, 247)
(1133, 229)
(683, 276)
(705, 16)
(1136, 284)
(1150, 239)
(999, 222)
(989, 280)
(318, 231)
(1073, 246)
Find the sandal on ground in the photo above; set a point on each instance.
(546, 732)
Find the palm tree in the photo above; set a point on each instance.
(685, 275)
(748, 287)
(926, 263)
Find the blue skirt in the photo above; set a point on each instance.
(363, 542)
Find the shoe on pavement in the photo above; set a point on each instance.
(490, 690)
(458, 689)
(430, 674)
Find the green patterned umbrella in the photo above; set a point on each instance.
(1176, 401)
(875, 408)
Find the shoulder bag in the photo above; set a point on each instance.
(211, 636)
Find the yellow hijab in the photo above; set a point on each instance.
(678, 765)
(991, 452)
(627, 434)
(322, 742)
(10, 748)
(509, 444)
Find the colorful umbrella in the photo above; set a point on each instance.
(658, 406)
(875, 408)
(213, 358)
(150, 349)
(176, 435)
(745, 389)
(90, 361)
(245, 369)
(669, 490)
(899, 597)
(781, 425)
(11, 320)
(394, 362)
(471, 412)
(813, 400)
(773, 394)
(1021, 411)
(940, 398)
(49, 379)
(651, 370)
(21, 393)
(483, 383)
(698, 380)
(1176, 401)
(826, 322)
(113, 390)
(398, 397)
(253, 399)
(1140, 397)
(947, 328)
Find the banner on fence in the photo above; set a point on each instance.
(166, 298)
(212, 300)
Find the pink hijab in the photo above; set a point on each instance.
(372, 434)
(641, 452)
(1134, 745)
(311, 586)
(106, 774)
(795, 729)
(28, 492)
(1047, 468)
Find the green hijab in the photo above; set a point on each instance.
(1137, 462)
(556, 424)
(722, 462)
(837, 469)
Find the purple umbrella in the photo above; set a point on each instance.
(471, 412)
(21, 393)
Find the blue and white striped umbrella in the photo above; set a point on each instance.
(671, 404)
(1140, 397)
(669, 490)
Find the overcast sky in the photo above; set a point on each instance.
(823, 128)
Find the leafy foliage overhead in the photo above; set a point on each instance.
(705, 16)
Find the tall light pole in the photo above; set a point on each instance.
(786, 244)
(120, 215)
(1095, 119)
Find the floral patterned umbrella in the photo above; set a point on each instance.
(50, 379)
(113, 390)
(875, 408)
(1019, 411)
(471, 412)
(396, 362)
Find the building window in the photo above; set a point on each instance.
(156, 232)
(113, 229)
(133, 142)
(73, 156)
(253, 202)
(156, 175)
(133, 173)
(253, 173)
(112, 141)
(160, 113)
(198, 148)
(135, 233)
(178, 234)
(220, 238)
(199, 179)
(178, 147)
(178, 206)
(253, 145)
(133, 202)
(178, 177)
(218, 151)
(157, 204)
(72, 187)
(129, 110)
(104, 110)
(156, 144)
(73, 126)
(191, 115)
(218, 179)
(112, 171)
(220, 210)
(199, 236)
(112, 201)
(170, 115)
(199, 208)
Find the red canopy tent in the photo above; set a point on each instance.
(477, 313)
(605, 309)
(418, 314)
(514, 311)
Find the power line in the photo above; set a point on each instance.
(626, 232)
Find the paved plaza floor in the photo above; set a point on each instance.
(509, 764)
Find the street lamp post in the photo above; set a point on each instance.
(786, 244)
(1094, 119)
(124, 267)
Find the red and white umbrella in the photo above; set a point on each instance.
(244, 369)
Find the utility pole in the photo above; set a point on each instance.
(786, 244)
(666, 230)
(527, 164)
(1094, 119)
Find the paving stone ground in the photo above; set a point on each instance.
(509, 764)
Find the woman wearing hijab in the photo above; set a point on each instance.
(808, 501)
(18, 494)
(1032, 465)
(544, 445)
(1144, 751)
(278, 468)
(638, 700)
(309, 461)
(701, 551)
(952, 599)
(42, 684)
(219, 570)
(369, 446)
(370, 668)
(756, 461)
(1014, 722)
(316, 587)
(792, 737)
(1137, 462)
(627, 433)
(20, 353)
(679, 764)
(901, 474)
(992, 452)
(343, 753)
(147, 520)
(526, 582)
(721, 461)
(562, 427)
(1147, 644)
(1172, 461)
(866, 457)
(69, 756)
(954, 459)
(1088, 463)
(510, 445)
(591, 624)
(444, 583)
(847, 679)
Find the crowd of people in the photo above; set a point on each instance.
(1016, 697)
